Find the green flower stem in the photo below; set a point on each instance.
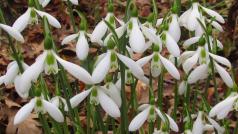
(69, 5)
(160, 94)
(155, 11)
(176, 97)
(45, 125)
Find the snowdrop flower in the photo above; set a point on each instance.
(12, 32)
(222, 109)
(82, 47)
(47, 62)
(99, 95)
(205, 123)
(149, 113)
(44, 3)
(41, 106)
(174, 28)
(31, 17)
(157, 61)
(12, 72)
(109, 61)
(189, 18)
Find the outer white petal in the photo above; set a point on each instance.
(21, 23)
(159, 22)
(191, 62)
(24, 112)
(174, 28)
(160, 114)
(192, 19)
(114, 93)
(136, 38)
(143, 107)
(190, 41)
(224, 75)
(151, 35)
(144, 60)
(212, 13)
(221, 60)
(197, 73)
(185, 56)
(217, 26)
(69, 38)
(77, 99)
(53, 111)
(183, 19)
(220, 129)
(139, 120)
(102, 68)
(99, 31)
(45, 3)
(223, 105)
(198, 125)
(224, 112)
(219, 44)
(108, 104)
(75, 70)
(52, 20)
(22, 92)
(12, 32)
(182, 88)
(11, 74)
(132, 65)
(171, 45)
(172, 124)
(170, 67)
(82, 47)
(75, 2)
(99, 58)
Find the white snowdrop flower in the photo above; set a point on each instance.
(98, 95)
(40, 106)
(109, 61)
(31, 17)
(222, 109)
(149, 113)
(44, 3)
(82, 47)
(12, 32)
(205, 123)
(12, 72)
(189, 18)
(157, 61)
(47, 62)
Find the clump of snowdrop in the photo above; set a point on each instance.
(205, 123)
(149, 113)
(31, 17)
(222, 109)
(12, 72)
(40, 106)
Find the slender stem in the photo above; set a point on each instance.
(160, 94)
(176, 97)
(69, 5)
(45, 125)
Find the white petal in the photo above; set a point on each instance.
(159, 22)
(108, 104)
(191, 62)
(160, 114)
(217, 26)
(151, 35)
(75, 2)
(183, 19)
(139, 120)
(198, 125)
(182, 88)
(144, 60)
(224, 75)
(77, 99)
(55, 100)
(172, 124)
(192, 19)
(82, 47)
(197, 73)
(223, 105)
(172, 46)
(52, 20)
(221, 60)
(99, 31)
(75, 70)
(22, 92)
(24, 112)
(174, 28)
(212, 13)
(99, 58)
(190, 41)
(12, 32)
(143, 107)
(69, 38)
(185, 56)
(11, 74)
(45, 3)
(120, 30)
(53, 111)
(114, 93)
(21, 22)
(219, 44)
(220, 129)
(136, 38)
(132, 65)
(102, 68)
(170, 67)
